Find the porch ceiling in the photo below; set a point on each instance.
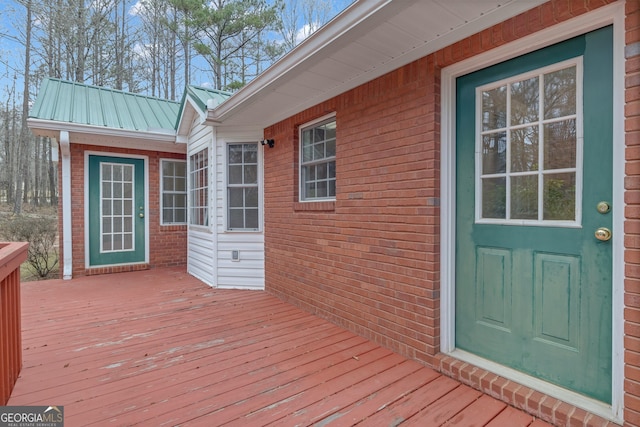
(367, 40)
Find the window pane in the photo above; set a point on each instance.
(180, 184)
(106, 190)
(524, 197)
(128, 190)
(321, 171)
(307, 153)
(167, 168)
(106, 242)
(236, 218)
(559, 196)
(332, 169)
(560, 144)
(494, 198)
(494, 108)
(250, 153)
(331, 148)
(180, 169)
(236, 197)
(251, 197)
(235, 154)
(235, 174)
(318, 151)
(117, 189)
(167, 183)
(524, 101)
(321, 189)
(106, 225)
(494, 153)
(251, 218)
(251, 174)
(524, 149)
(332, 189)
(560, 93)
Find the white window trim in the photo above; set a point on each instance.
(577, 222)
(225, 214)
(202, 227)
(603, 16)
(163, 160)
(300, 175)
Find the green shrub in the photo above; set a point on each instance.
(41, 233)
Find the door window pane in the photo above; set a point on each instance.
(530, 139)
(116, 198)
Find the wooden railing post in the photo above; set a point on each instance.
(11, 256)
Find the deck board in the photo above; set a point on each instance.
(161, 348)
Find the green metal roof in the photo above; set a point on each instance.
(64, 101)
(201, 96)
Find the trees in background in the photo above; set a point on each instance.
(156, 47)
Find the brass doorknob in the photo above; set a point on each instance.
(141, 215)
(603, 234)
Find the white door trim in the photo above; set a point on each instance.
(611, 14)
(87, 262)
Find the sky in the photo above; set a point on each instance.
(12, 18)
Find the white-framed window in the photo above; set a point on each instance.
(173, 191)
(242, 187)
(529, 148)
(318, 160)
(199, 188)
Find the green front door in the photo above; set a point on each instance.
(533, 163)
(116, 210)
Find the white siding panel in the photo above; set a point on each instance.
(201, 259)
(248, 272)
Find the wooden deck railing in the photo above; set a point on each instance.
(11, 256)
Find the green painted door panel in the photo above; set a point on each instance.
(116, 203)
(537, 298)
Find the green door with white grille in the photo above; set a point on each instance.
(116, 222)
(533, 214)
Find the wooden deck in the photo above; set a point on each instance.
(159, 348)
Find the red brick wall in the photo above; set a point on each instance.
(632, 215)
(167, 244)
(370, 261)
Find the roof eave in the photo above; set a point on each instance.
(359, 17)
(109, 137)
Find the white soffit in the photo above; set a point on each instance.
(366, 41)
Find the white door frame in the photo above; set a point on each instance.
(87, 263)
(607, 15)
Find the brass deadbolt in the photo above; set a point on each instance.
(603, 207)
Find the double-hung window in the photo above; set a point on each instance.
(199, 184)
(318, 161)
(242, 187)
(174, 191)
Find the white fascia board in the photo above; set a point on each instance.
(110, 137)
(186, 116)
(168, 136)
